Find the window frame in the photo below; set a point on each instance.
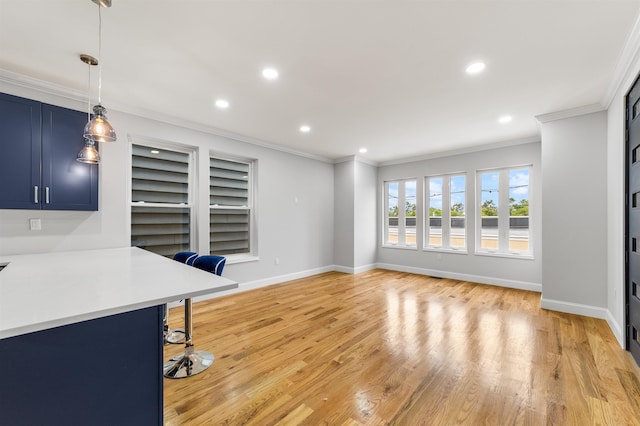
(192, 171)
(504, 214)
(252, 254)
(446, 214)
(401, 244)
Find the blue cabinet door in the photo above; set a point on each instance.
(67, 184)
(39, 144)
(20, 145)
(106, 371)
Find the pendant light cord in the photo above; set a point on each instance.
(89, 93)
(99, 55)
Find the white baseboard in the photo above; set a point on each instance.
(520, 285)
(252, 285)
(344, 269)
(555, 305)
(617, 330)
(574, 308)
(356, 270)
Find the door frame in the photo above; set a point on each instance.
(627, 284)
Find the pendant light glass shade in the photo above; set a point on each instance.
(89, 154)
(98, 128)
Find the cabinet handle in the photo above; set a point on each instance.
(46, 194)
(35, 194)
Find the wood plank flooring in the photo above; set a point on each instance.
(386, 347)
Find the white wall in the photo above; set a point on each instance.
(574, 179)
(511, 272)
(294, 201)
(365, 218)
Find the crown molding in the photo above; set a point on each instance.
(466, 150)
(49, 88)
(355, 158)
(629, 55)
(568, 113)
(60, 91)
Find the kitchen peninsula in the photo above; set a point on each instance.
(81, 334)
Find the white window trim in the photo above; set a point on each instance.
(192, 151)
(252, 255)
(401, 215)
(503, 214)
(446, 215)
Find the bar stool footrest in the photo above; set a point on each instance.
(174, 336)
(187, 364)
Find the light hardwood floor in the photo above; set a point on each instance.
(387, 347)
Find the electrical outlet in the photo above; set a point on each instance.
(35, 225)
(276, 261)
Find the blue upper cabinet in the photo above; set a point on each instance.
(20, 145)
(68, 184)
(38, 167)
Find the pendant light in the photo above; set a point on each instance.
(98, 128)
(89, 154)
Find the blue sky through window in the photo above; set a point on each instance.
(435, 193)
(457, 189)
(518, 185)
(393, 195)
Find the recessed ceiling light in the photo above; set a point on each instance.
(305, 129)
(476, 68)
(504, 119)
(270, 73)
(363, 150)
(221, 103)
(155, 151)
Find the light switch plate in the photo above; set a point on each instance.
(35, 224)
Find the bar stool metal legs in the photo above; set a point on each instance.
(171, 335)
(191, 362)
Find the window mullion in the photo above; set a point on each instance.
(385, 225)
(425, 215)
(446, 211)
(503, 212)
(401, 213)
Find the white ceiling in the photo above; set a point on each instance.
(388, 75)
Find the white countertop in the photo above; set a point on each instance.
(41, 291)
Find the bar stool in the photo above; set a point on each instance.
(192, 362)
(176, 335)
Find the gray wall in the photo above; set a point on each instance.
(343, 215)
(294, 201)
(365, 219)
(574, 179)
(512, 272)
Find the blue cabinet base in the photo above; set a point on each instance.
(106, 371)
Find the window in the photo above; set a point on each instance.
(230, 206)
(400, 213)
(161, 208)
(504, 211)
(445, 224)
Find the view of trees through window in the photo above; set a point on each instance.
(501, 212)
(401, 223)
(445, 228)
(505, 231)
